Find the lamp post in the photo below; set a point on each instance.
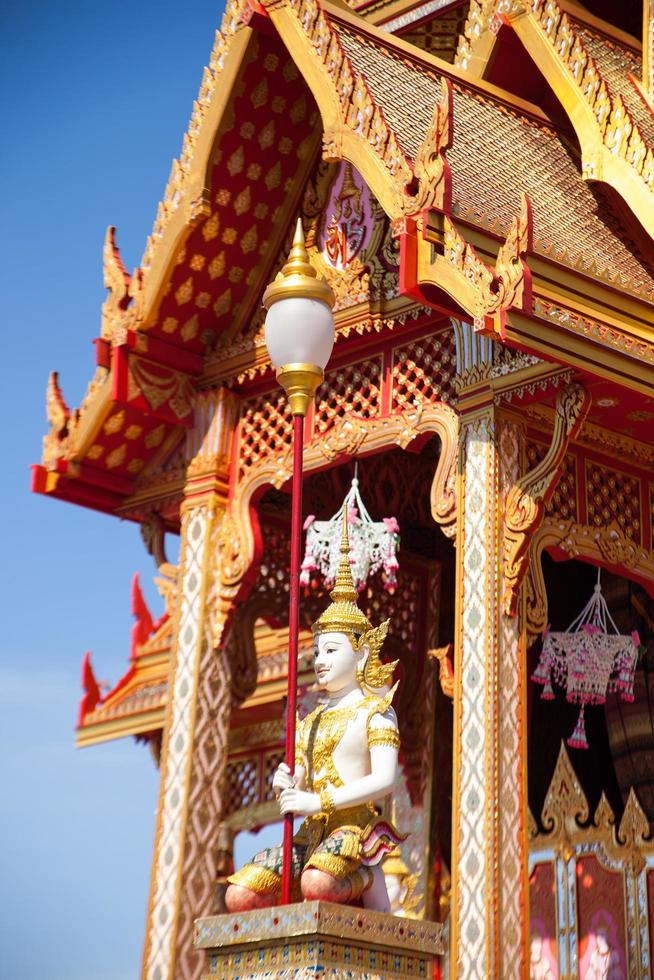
(299, 337)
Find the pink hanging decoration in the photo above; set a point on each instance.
(588, 661)
(373, 544)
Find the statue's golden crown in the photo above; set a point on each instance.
(344, 616)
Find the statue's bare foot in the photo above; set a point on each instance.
(318, 886)
(240, 899)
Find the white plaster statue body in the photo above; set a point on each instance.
(346, 760)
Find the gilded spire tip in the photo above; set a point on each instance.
(344, 590)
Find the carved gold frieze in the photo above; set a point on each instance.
(438, 256)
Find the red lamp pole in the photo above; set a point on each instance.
(293, 631)
(299, 338)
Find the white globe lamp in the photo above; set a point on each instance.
(299, 327)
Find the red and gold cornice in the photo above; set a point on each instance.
(213, 246)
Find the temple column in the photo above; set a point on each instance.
(489, 925)
(194, 749)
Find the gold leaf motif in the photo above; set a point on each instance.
(229, 236)
(259, 95)
(211, 227)
(266, 137)
(249, 240)
(253, 172)
(96, 451)
(223, 303)
(116, 457)
(236, 162)
(169, 325)
(190, 328)
(135, 465)
(197, 263)
(298, 110)
(242, 201)
(154, 438)
(273, 178)
(235, 273)
(202, 300)
(133, 432)
(217, 265)
(184, 292)
(114, 423)
(223, 197)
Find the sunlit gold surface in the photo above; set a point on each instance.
(300, 382)
(298, 277)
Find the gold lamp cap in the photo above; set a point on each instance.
(343, 615)
(298, 277)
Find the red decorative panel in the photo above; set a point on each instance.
(266, 428)
(601, 918)
(424, 368)
(563, 502)
(355, 389)
(265, 140)
(542, 922)
(613, 496)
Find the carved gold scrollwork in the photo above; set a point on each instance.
(526, 500)
(431, 167)
(536, 598)
(512, 275)
(568, 830)
(634, 833)
(230, 554)
(117, 280)
(565, 807)
(443, 488)
(438, 255)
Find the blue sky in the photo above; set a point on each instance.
(96, 98)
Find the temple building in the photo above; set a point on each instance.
(475, 181)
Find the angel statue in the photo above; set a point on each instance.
(346, 759)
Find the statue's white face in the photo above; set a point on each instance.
(335, 662)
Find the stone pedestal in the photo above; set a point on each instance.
(318, 939)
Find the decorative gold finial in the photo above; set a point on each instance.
(298, 277)
(344, 585)
(343, 615)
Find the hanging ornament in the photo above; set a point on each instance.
(588, 661)
(373, 544)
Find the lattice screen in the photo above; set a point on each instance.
(425, 368)
(355, 388)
